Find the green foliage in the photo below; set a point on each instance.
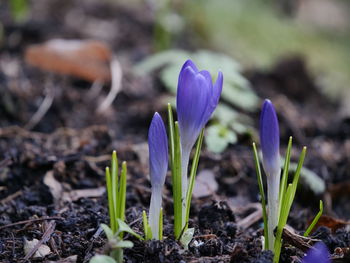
(102, 259)
(286, 198)
(116, 192)
(19, 9)
(175, 164)
(181, 233)
(314, 221)
(257, 35)
(236, 90)
(219, 137)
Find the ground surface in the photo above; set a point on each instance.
(51, 176)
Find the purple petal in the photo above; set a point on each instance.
(158, 150)
(270, 138)
(317, 254)
(196, 100)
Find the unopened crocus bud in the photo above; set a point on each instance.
(270, 143)
(196, 100)
(158, 161)
(270, 139)
(317, 254)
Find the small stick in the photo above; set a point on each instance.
(47, 234)
(32, 221)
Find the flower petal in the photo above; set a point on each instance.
(270, 138)
(158, 150)
(317, 254)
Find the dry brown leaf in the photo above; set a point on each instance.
(331, 222)
(54, 186)
(42, 251)
(86, 59)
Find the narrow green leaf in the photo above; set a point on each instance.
(193, 175)
(187, 237)
(171, 135)
(102, 259)
(123, 227)
(124, 244)
(115, 183)
(145, 224)
(122, 193)
(108, 231)
(161, 224)
(110, 200)
(262, 194)
(314, 222)
(176, 176)
(284, 180)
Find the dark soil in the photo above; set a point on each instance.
(42, 169)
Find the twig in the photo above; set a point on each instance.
(47, 234)
(32, 221)
(117, 74)
(40, 113)
(11, 197)
(251, 219)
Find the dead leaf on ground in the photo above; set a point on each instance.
(84, 193)
(42, 251)
(331, 222)
(205, 184)
(54, 186)
(86, 59)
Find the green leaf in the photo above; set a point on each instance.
(124, 244)
(218, 137)
(314, 222)
(236, 88)
(102, 259)
(187, 237)
(193, 174)
(108, 231)
(262, 194)
(123, 227)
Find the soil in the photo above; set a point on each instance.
(51, 174)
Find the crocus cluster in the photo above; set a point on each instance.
(317, 254)
(197, 98)
(270, 143)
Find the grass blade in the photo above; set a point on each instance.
(193, 175)
(176, 176)
(110, 200)
(161, 224)
(314, 222)
(262, 194)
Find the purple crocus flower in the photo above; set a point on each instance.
(270, 142)
(270, 138)
(317, 254)
(196, 100)
(158, 161)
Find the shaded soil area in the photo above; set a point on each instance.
(51, 172)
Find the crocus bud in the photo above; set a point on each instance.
(270, 139)
(270, 143)
(196, 100)
(317, 254)
(158, 161)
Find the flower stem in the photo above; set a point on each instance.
(185, 158)
(154, 210)
(273, 186)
